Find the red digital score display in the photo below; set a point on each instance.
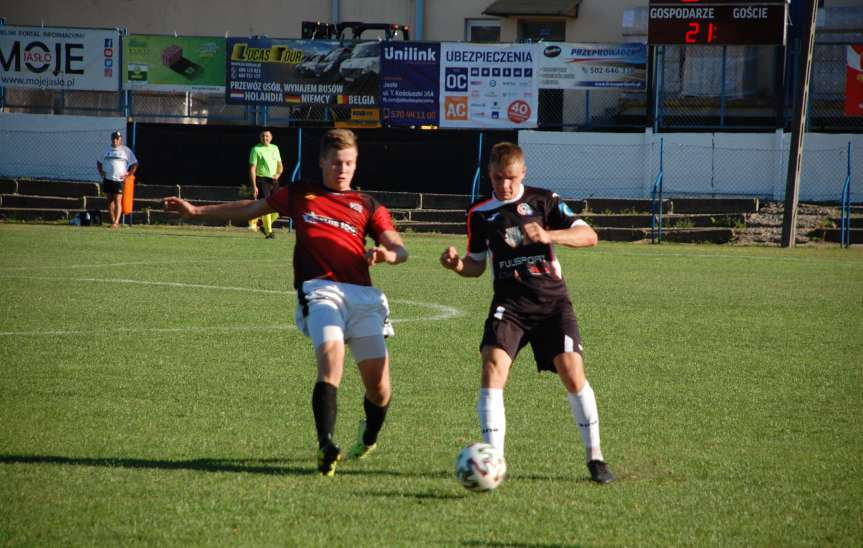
(717, 22)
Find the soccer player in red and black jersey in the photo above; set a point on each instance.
(336, 300)
(516, 230)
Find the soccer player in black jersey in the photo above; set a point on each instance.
(515, 230)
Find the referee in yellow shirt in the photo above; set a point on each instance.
(265, 168)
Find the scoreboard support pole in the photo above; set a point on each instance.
(651, 77)
(801, 100)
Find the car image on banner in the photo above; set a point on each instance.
(328, 69)
(309, 66)
(364, 62)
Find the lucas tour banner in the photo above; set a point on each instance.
(282, 72)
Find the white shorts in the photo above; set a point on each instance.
(337, 311)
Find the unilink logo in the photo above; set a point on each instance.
(551, 51)
(410, 54)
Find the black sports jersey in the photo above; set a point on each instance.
(520, 268)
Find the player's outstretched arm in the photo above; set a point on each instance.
(466, 266)
(390, 249)
(241, 210)
(581, 235)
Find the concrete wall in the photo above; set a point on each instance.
(625, 165)
(445, 19)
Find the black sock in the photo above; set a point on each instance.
(375, 416)
(325, 407)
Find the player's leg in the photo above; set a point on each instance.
(490, 407)
(109, 199)
(268, 225)
(503, 336)
(582, 403)
(113, 207)
(118, 207)
(330, 359)
(373, 363)
(556, 343)
(320, 316)
(367, 317)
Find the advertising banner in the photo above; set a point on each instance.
(59, 58)
(269, 71)
(174, 63)
(590, 66)
(410, 83)
(854, 80)
(488, 86)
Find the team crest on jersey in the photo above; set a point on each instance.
(524, 209)
(513, 236)
(310, 196)
(356, 206)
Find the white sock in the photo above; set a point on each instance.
(586, 415)
(492, 416)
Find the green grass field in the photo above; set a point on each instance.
(155, 391)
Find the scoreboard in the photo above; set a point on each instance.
(717, 22)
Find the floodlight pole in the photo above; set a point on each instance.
(795, 152)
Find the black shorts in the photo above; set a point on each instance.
(112, 187)
(550, 328)
(266, 186)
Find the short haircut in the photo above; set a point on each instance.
(337, 139)
(505, 153)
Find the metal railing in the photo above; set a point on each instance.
(656, 199)
(845, 200)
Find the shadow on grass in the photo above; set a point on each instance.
(419, 496)
(204, 465)
(203, 235)
(273, 467)
(516, 544)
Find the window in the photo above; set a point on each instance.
(482, 30)
(547, 31)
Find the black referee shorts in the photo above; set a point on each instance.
(550, 328)
(112, 187)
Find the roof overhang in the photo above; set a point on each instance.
(523, 8)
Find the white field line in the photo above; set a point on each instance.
(666, 254)
(441, 312)
(134, 263)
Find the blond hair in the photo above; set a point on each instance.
(504, 154)
(337, 139)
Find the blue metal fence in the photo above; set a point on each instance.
(845, 219)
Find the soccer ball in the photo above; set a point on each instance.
(480, 467)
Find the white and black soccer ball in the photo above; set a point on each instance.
(480, 467)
